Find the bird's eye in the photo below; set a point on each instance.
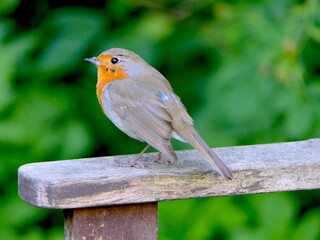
(114, 60)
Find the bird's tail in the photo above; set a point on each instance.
(199, 144)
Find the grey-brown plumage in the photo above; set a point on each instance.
(140, 101)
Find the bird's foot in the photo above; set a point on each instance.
(164, 161)
(134, 163)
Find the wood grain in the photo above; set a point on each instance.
(101, 182)
(134, 222)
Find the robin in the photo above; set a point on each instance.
(140, 101)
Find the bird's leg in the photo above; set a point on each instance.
(135, 161)
(163, 161)
(158, 159)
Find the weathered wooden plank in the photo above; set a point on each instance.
(121, 222)
(100, 182)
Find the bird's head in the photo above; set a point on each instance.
(117, 64)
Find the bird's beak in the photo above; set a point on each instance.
(93, 60)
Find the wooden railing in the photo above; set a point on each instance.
(104, 201)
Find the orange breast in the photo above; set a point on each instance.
(108, 73)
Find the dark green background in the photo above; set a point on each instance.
(248, 72)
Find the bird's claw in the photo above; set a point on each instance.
(163, 161)
(131, 164)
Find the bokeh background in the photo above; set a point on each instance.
(248, 72)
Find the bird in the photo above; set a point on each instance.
(140, 101)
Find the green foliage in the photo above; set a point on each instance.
(248, 72)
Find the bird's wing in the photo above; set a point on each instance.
(143, 113)
(182, 125)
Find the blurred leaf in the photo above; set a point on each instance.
(246, 234)
(172, 220)
(56, 234)
(10, 57)
(23, 213)
(309, 226)
(7, 6)
(75, 140)
(35, 111)
(277, 213)
(7, 233)
(33, 234)
(300, 120)
(72, 31)
(152, 28)
(6, 26)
